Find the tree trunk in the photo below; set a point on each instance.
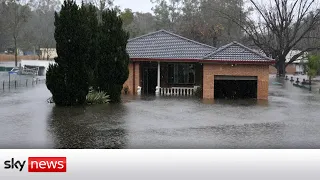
(281, 67)
(214, 41)
(310, 83)
(39, 52)
(47, 54)
(15, 53)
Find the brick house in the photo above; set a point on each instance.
(164, 63)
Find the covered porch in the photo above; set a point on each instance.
(164, 63)
(170, 78)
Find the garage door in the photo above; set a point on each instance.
(235, 87)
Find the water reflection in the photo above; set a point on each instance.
(89, 127)
(237, 102)
(258, 135)
(289, 119)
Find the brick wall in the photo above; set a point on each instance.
(9, 57)
(210, 70)
(291, 69)
(137, 77)
(134, 78)
(272, 70)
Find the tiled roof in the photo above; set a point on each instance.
(166, 45)
(237, 52)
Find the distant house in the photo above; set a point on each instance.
(48, 53)
(29, 53)
(294, 68)
(297, 65)
(11, 51)
(164, 63)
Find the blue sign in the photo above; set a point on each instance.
(12, 72)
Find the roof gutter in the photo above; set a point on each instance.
(164, 60)
(268, 62)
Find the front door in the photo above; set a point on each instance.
(149, 79)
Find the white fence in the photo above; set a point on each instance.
(177, 91)
(30, 71)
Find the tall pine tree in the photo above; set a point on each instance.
(112, 66)
(90, 25)
(68, 78)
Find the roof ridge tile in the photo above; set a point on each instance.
(253, 53)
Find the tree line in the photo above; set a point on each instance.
(199, 20)
(274, 27)
(27, 25)
(91, 48)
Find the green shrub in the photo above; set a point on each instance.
(97, 97)
(112, 64)
(55, 82)
(68, 78)
(50, 100)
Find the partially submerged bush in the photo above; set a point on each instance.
(50, 100)
(93, 97)
(198, 92)
(97, 97)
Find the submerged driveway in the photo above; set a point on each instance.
(290, 119)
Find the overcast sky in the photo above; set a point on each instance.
(135, 5)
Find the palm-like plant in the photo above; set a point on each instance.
(97, 97)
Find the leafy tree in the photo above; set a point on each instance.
(46, 5)
(3, 33)
(142, 23)
(70, 72)
(101, 5)
(36, 30)
(16, 15)
(112, 68)
(312, 67)
(201, 20)
(214, 28)
(127, 17)
(40, 27)
(166, 12)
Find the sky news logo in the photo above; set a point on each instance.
(38, 164)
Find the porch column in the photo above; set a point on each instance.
(158, 81)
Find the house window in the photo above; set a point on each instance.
(181, 73)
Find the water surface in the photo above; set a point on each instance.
(289, 119)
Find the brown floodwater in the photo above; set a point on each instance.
(289, 119)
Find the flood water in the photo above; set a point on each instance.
(289, 119)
